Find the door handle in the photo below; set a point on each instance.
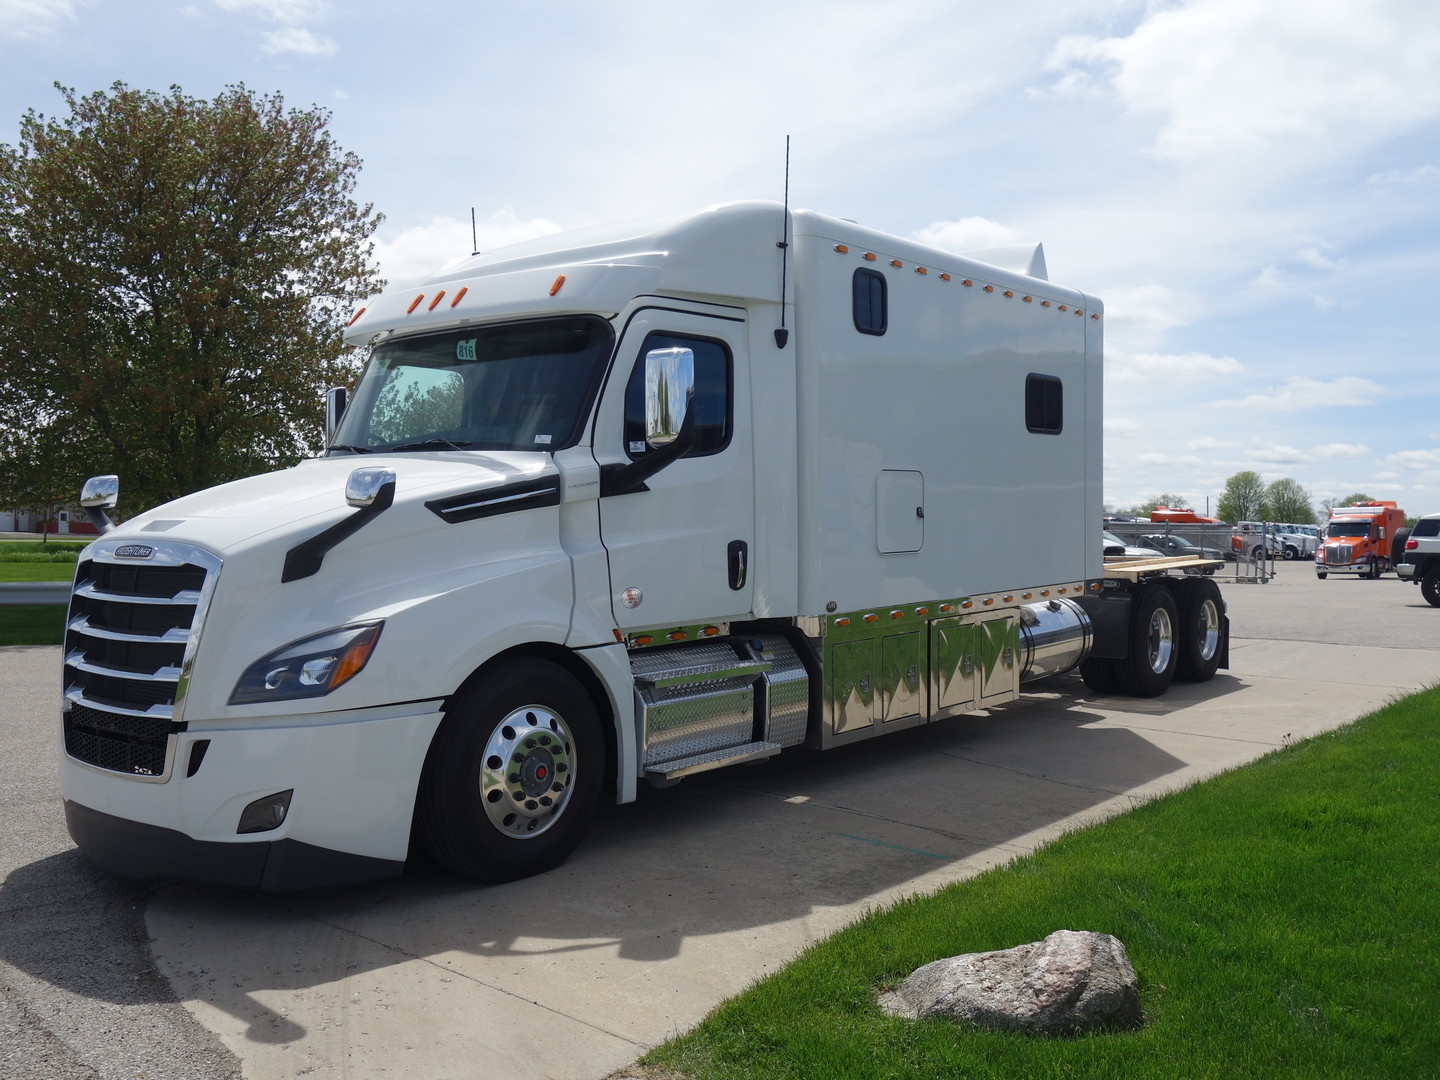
(739, 558)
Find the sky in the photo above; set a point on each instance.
(1251, 186)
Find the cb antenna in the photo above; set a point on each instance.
(781, 334)
(474, 237)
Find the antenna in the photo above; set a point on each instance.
(474, 238)
(781, 334)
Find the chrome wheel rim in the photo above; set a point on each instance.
(1162, 641)
(528, 773)
(1209, 629)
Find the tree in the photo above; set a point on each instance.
(1285, 500)
(1174, 502)
(1353, 500)
(174, 276)
(1241, 499)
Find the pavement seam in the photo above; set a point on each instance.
(453, 972)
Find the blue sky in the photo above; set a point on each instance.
(1252, 186)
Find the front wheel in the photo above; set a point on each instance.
(513, 775)
(1430, 588)
(1321, 574)
(1291, 552)
(1149, 666)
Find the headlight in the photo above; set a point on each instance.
(311, 667)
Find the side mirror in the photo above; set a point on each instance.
(669, 386)
(335, 399)
(100, 493)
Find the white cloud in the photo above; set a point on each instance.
(1341, 450)
(968, 234)
(1422, 174)
(281, 11)
(1314, 258)
(1209, 442)
(1120, 427)
(1278, 455)
(1172, 368)
(1303, 392)
(1227, 77)
(297, 39)
(33, 18)
(1416, 460)
(419, 251)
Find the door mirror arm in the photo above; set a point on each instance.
(629, 477)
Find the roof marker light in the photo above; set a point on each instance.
(559, 281)
(944, 277)
(989, 288)
(1028, 299)
(1078, 311)
(1044, 303)
(355, 316)
(1094, 316)
(921, 270)
(967, 283)
(841, 248)
(414, 303)
(463, 290)
(1010, 292)
(438, 297)
(869, 256)
(1062, 307)
(896, 263)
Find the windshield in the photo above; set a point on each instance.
(1348, 528)
(515, 386)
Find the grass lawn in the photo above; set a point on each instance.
(1284, 920)
(31, 624)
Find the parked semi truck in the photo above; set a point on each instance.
(1358, 540)
(617, 506)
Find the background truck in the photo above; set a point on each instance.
(1358, 539)
(1417, 557)
(621, 505)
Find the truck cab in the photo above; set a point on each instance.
(1358, 540)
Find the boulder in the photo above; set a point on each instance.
(1073, 981)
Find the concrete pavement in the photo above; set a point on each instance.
(692, 893)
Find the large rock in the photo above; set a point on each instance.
(1073, 981)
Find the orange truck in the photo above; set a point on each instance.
(1358, 540)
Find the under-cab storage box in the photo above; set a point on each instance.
(949, 435)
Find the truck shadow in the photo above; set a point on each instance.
(806, 838)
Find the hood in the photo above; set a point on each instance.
(312, 495)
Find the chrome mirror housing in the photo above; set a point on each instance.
(100, 492)
(366, 485)
(335, 399)
(669, 384)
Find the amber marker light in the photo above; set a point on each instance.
(559, 281)
(841, 248)
(989, 600)
(677, 635)
(1010, 293)
(1028, 299)
(946, 607)
(944, 277)
(710, 631)
(871, 618)
(989, 288)
(644, 639)
(435, 303)
(922, 611)
(1009, 599)
(1026, 596)
(921, 270)
(967, 283)
(842, 623)
(1044, 303)
(414, 303)
(896, 263)
(869, 256)
(897, 614)
(1094, 316)
(355, 316)
(1062, 307)
(463, 290)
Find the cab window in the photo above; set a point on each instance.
(713, 389)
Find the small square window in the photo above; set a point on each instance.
(1044, 405)
(868, 289)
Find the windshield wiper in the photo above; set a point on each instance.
(351, 449)
(430, 444)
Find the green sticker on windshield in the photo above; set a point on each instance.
(465, 350)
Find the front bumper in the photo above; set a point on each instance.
(1406, 570)
(133, 849)
(354, 776)
(1344, 568)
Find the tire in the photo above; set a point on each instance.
(1291, 553)
(513, 774)
(1430, 587)
(1149, 666)
(1099, 674)
(1201, 630)
(1257, 553)
(1321, 574)
(1397, 547)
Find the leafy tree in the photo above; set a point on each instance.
(1174, 502)
(1241, 499)
(1353, 500)
(174, 276)
(1285, 500)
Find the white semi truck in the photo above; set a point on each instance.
(610, 507)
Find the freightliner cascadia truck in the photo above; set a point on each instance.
(607, 508)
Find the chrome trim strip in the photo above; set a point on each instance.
(185, 597)
(165, 674)
(489, 502)
(174, 636)
(76, 696)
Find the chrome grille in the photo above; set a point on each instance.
(130, 639)
(1338, 554)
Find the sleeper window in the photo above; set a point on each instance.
(870, 302)
(1044, 405)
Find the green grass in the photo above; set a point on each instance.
(1284, 920)
(31, 624)
(31, 560)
